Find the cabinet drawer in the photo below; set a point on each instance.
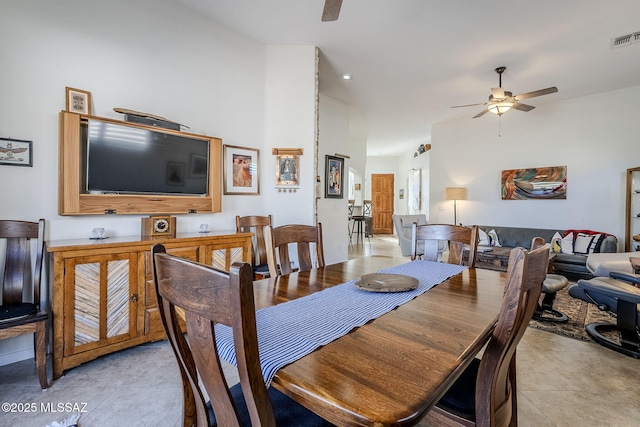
(189, 252)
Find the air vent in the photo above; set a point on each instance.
(625, 40)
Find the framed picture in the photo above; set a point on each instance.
(241, 170)
(15, 152)
(534, 183)
(78, 101)
(287, 171)
(333, 179)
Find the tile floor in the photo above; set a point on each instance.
(561, 382)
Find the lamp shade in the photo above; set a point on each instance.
(455, 193)
(500, 108)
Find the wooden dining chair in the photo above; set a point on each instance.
(485, 394)
(458, 236)
(20, 312)
(203, 296)
(256, 224)
(278, 240)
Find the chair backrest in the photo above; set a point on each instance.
(255, 224)
(367, 207)
(536, 242)
(458, 237)
(279, 238)
(19, 274)
(208, 296)
(351, 206)
(495, 387)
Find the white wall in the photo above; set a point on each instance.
(596, 137)
(157, 57)
(146, 55)
(290, 123)
(332, 212)
(407, 163)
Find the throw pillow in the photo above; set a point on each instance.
(494, 238)
(582, 243)
(484, 238)
(595, 243)
(555, 243)
(566, 244)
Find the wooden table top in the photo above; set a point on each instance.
(392, 370)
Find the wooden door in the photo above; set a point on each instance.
(382, 198)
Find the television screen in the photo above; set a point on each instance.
(127, 159)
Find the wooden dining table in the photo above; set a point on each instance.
(392, 370)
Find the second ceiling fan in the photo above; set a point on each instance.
(500, 101)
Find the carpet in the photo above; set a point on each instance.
(580, 314)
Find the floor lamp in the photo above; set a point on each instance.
(455, 194)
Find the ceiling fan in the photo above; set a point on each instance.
(501, 101)
(331, 10)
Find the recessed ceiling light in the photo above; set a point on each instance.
(346, 76)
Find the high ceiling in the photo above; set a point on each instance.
(411, 60)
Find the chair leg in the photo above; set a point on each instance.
(40, 351)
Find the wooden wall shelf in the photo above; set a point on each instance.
(73, 200)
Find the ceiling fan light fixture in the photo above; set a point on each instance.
(500, 108)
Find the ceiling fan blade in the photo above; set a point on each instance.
(540, 92)
(497, 92)
(522, 107)
(469, 105)
(481, 113)
(331, 10)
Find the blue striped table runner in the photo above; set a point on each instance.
(291, 330)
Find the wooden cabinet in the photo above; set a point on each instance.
(104, 298)
(632, 219)
(75, 199)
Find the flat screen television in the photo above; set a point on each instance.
(123, 159)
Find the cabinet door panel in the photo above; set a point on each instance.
(101, 295)
(86, 303)
(223, 256)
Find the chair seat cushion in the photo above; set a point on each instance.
(17, 311)
(553, 283)
(261, 269)
(460, 399)
(287, 411)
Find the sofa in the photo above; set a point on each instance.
(570, 252)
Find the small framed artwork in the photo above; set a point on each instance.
(16, 152)
(334, 167)
(241, 170)
(78, 101)
(287, 171)
(357, 187)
